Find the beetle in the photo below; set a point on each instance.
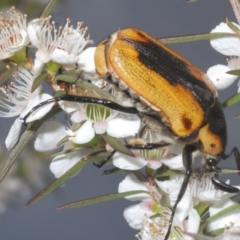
(171, 95)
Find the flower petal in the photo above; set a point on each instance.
(175, 163)
(84, 134)
(86, 60)
(41, 111)
(193, 223)
(123, 161)
(100, 127)
(62, 57)
(49, 135)
(219, 77)
(131, 183)
(34, 27)
(70, 107)
(123, 125)
(229, 46)
(78, 116)
(134, 216)
(186, 203)
(13, 135)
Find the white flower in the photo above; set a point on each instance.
(229, 46)
(62, 163)
(48, 138)
(151, 217)
(19, 100)
(13, 33)
(152, 158)
(171, 187)
(82, 135)
(136, 213)
(123, 161)
(86, 64)
(202, 189)
(49, 135)
(62, 45)
(102, 119)
(219, 76)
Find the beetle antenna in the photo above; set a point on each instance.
(83, 99)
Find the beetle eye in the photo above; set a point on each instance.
(211, 162)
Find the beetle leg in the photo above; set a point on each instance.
(82, 99)
(236, 154)
(147, 146)
(187, 161)
(224, 186)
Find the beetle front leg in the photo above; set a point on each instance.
(236, 154)
(224, 186)
(187, 161)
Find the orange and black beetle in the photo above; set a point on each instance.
(170, 93)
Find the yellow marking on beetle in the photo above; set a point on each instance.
(100, 60)
(212, 144)
(175, 102)
(140, 36)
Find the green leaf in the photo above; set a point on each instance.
(224, 212)
(198, 37)
(235, 72)
(6, 74)
(113, 171)
(232, 26)
(216, 232)
(117, 145)
(66, 78)
(168, 173)
(75, 149)
(52, 67)
(46, 12)
(102, 198)
(202, 208)
(37, 81)
(198, 236)
(77, 167)
(232, 100)
(20, 56)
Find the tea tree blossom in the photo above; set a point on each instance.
(13, 33)
(62, 45)
(149, 211)
(18, 100)
(229, 46)
(49, 136)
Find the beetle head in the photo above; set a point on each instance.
(212, 136)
